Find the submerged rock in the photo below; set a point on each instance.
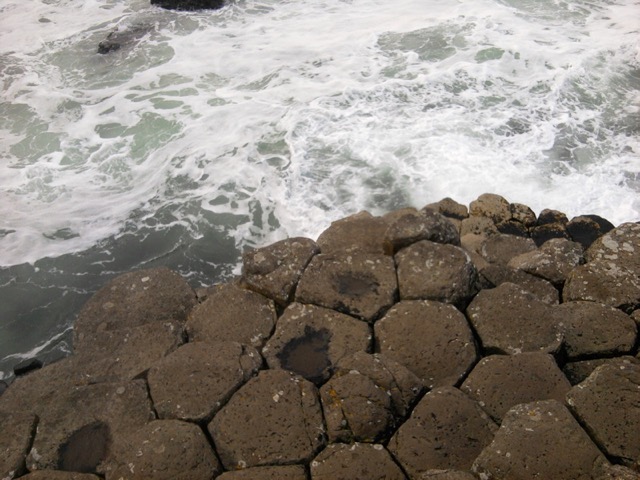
(189, 5)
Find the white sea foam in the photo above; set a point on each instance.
(280, 117)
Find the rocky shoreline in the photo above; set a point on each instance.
(451, 342)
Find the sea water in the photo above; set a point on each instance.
(215, 131)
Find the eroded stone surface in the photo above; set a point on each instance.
(578, 371)
(446, 475)
(446, 430)
(282, 422)
(620, 246)
(362, 285)
(274, 271)
(499, 382)
(413, 227)
(491, 206)
(553, 261)
(478, 226)
(232, 314)
(431, 339)
(586, 229)
(494, 275)
(197, 379)
(450, 208)
(59, 475)
(355, 461)
(502, 248)
(539, 440)
(284, 472)
(359, 233)
(310, 340)
(18, 430)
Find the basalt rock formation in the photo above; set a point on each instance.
(442, 343)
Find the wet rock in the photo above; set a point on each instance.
(433, 271)
(514, 228)
(502, 248)
(134, 299)
(548, 216)
(499, 382)
(586, 229)
(539, 440)
(593, 329)
(362, 285)
(281, 418)
(413, 227)
(607, 404)
(356, 409)
(523, 214)
(59, 475)
(355, 461)
(99, 415)
(478, 226)
(118, 38)
(232, 314)
(543, 233)
(274, 271)
(27, 366)
(197, 379)
(359, 233)
(511, 320)
(310, 340)
(491, 206)
(166, 449)
(431, 339)
(553, 261)
(447, 430)
(18, 430)
(449, 208)
(189, 5)
(285, 472)
(494, 275)
(578, 371)
(399, 382)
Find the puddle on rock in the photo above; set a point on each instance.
(355, 285)
(85, 448)
(308, 355)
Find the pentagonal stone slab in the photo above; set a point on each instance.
(197, 379)
(232, 314)
(431, 339)
(592, 329)
(491, 206)
(274, 271)
(607, 403)
(166, 449)
(285, 472)
(362, 285)
(511, 320)
(411, 227)
(433, 271)
(553, 261)
(495, 275)
(18, 430)
(281, 421)
(502, 248)
(355, 461)
(402, 385)
(134, 299)
(447, 430)
(359, 233)
(356, 409)
(578, 371)
(539, 440)
(309, 340)
(499, 382)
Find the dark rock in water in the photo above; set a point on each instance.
(27, 366)
(122, 38)
(85, 449)
(356, 461)
(189, 5)
(284, 472)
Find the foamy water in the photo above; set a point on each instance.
(218, 130)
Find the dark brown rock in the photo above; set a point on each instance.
(447, 430)
(548, 216)
(523, 214)
(446, 475)
(134, 299)
(355, 461)
(356, 409)
(539, 440)
(413, 227)
(284, 472)
(359, 233)
(620, 246)
(197, 379)
(274, 271)
(606, 471)
(478, 226)
(607, 404)
(512, 227)
(553, 261)
(450, 208)
(431, 339)
(586, 230)
(494, 275)
(543, 233)
(59, 475)
(433, 271)
(281, 418)
(472, 243)
(166, 449)
(232, 314)
(491, 206)
(499, 382)
(402, 385)
(511, 320)
(362, 285)
(18, 430)
(593, 329)
(578, 371)
(310, 340)
(27, 366)
(502, 248)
